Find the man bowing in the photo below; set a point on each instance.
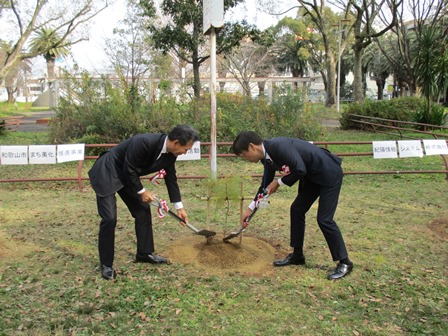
(118, 171)
(320, 176)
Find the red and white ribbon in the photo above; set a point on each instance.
(163, 206)
(260, 196)
(161, 174)
(285, 170)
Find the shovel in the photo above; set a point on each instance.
(205, 233)
(237, 233)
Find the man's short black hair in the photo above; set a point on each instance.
(243, 140)
(184, 134)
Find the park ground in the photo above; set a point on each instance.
(395, 227)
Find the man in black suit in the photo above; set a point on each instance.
(320, 175)
(118, 171)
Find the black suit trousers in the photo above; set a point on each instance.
(107, 209)
(328, 201)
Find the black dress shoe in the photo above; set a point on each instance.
(291, 259)
(151, 258)
(341, 271)
(107, 272)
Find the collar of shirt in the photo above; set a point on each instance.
(163, 151)
(265, 154)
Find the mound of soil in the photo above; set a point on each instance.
(252, 257)
(440, 227)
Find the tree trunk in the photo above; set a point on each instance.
(10, 91)
(50, 69)
(197, 79)
(261, 86)
(222, 73)
(331, 82)
(358, 91)
(296, 74)
(380, 82)
(246, 87)
(196, 64)
(324, 79)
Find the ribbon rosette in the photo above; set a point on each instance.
(161, 174)
(260, 196)
(163, 206)
(285, 170)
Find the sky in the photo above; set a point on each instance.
(90, 54)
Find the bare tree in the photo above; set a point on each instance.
(399, 46)
(129, 50)
(246, 62)
(365, 16)
(324, 21)
(26, 18)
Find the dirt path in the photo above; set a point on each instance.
(30, 121)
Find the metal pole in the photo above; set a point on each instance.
(339, 68)
(213, 168)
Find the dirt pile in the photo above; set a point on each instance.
(440, 227)
(253, 256)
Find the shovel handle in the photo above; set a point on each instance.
(191, 227)
(177, 217)
(248, 218)
(172, 214)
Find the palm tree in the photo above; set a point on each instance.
(51, 46)
(431, 73)
(377, 66)
(430, 63)
(290, 58)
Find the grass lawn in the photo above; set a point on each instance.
(395, 227)
(9, 110)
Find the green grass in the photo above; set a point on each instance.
(50, 283)
(8, 110)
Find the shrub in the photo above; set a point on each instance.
(289, 118)
(99, 109)
(2, 127)
(93, 110)
(402, 109)
(431, 114)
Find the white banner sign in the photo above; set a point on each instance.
(384, 149)
(193, 154)
(72, 152)
(435, 147)
(410, 148)
(42, 154)
(14, 155)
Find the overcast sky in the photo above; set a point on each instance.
(90, 54)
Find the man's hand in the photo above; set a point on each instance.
(247, 214)
(147, 196)
(182, 214)
(272, 187)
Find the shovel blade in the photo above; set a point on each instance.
(230, 236)
(206, 233)
(233, 235)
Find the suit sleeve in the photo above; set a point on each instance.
(296, 165)
(268, 177)
(137, 153)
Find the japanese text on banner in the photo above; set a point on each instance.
(384, 149)
(13, 155)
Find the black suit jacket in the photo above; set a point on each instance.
(125, 163)
(305, 161)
